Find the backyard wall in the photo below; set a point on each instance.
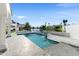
(60, 34)
(73, 30)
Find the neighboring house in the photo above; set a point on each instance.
(21, 26)
(14, 26)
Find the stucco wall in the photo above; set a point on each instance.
(3, 16)
(73, 30)
(4, 21)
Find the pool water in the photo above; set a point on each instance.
(40, 40)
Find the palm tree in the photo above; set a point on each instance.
(43, 27)
(27, 26)
(64, 22)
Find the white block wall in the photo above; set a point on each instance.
(73, 30)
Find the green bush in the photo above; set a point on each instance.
(58, 28)
(48, 28)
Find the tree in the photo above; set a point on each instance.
(43, 27)
(27, 26)
(33, 27)
(58, 28)
(49, 28)
(64, 22)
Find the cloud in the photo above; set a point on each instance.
(21, 17)
(68, 4)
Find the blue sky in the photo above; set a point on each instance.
(39, 13)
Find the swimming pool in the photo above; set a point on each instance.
(40, 40)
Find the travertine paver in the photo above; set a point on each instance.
(67, 40)
(19, 45)
(62, 49)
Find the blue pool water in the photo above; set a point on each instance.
(40, 40)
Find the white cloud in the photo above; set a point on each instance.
(71, 15)
(21, 17)
(67, 4)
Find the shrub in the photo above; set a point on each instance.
(58, 28)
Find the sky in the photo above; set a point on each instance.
(39, 13)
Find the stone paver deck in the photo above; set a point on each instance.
(19, 45)
(67, 40)
(62, 49)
